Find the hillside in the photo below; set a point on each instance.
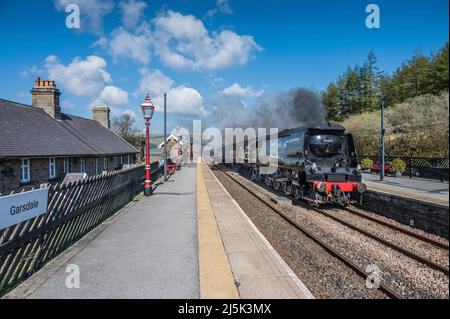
(415, 127)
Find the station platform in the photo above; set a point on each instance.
(189, 240)
(258, 270)
(147, 250)
(426, 190)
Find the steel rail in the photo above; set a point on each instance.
(389, 244)
(399, 229)
(357, 269)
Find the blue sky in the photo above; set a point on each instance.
(200, 51)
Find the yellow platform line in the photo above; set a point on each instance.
(216, 278)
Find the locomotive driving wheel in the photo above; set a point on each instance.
(267, 180)
(277, 185)
(254, 175)
(314, 198)
(342, 198)
(289, 189)
(297, 192)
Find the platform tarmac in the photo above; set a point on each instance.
(189, 240)
(148, 250)
(426, 190)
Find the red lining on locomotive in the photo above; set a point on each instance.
(343, 186)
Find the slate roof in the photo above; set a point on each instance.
(30, 131)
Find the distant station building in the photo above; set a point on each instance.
(156, 146)
(40, 144)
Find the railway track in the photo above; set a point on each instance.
(387, 243)
(387, 290)
(399, 229)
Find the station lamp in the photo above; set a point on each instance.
(147, 111)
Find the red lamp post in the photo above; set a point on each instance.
(147, 111)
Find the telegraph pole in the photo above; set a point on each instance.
(382, 142)
(165, 136)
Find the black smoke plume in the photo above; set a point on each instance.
(291, 109)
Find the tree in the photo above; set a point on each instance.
(124, 126)
(387, 90)
(330, 99)
(440, 70)
(370, 84)
(360, 89)
(355, 91)
(349, 88)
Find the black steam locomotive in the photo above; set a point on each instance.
(318, 164)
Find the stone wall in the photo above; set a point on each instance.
(432, 218)
(39, 170)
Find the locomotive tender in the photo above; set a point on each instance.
(318, 164)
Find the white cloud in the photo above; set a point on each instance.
(92, 12)
(184, 100)
(247, 91)
(154, 82)
(130, 112)
(124, 44)
(181, 27)
(224, 6)
(67, 104)
(34, 70)
(116, 112)
(180, 41)
(180, 99)
(183, 41)
(210, 13)
(102, 42)
(112, 95)
(132, 12)
(80, 77)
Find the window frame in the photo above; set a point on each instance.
(22, 170)
(51, 167)
(66, 165)
(82, 164)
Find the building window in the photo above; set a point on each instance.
(51, 167)
(66, 165)
(82, 165)
(25, 170)
(121, 159)
(96, 166)
(105, 162)
(128, 159)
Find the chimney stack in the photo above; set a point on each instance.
(101, 114)
(45, 95)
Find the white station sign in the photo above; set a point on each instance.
(19, 207)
